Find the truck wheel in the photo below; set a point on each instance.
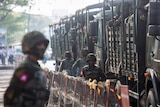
(151, 101)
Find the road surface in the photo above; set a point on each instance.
(5, 76)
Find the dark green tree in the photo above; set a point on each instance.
(10, 20)
(17, 24)
(6, 6)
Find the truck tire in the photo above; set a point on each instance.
(151, 101)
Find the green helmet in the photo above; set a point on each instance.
(31, 39)
(90, 57)
(68, 54)
(84, 52)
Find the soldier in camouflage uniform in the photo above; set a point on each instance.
(92, 71)
(27, 87)
(66, 64)
(80, 63)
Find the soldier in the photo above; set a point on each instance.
(66, 64)
(120, 15)
(27, 87)
(91, 71)
(80, 63)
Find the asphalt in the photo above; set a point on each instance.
(6, 73)
(6, 67)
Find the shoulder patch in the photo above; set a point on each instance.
(23, 77)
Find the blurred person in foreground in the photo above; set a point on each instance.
(92, 71)
(27, 87)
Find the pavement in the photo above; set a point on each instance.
(6, 73)
(6, 67)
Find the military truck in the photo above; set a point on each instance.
(124, 35)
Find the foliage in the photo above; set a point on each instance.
(8, 18)
(38, 22)
(17, 24)
(6, 6)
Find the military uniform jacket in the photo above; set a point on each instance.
(66, 64)
(78, 65)
(27, 87)
(93, 73)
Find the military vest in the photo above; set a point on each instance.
(67, 65)
(33, 92)
(93, 73)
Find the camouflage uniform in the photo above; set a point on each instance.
(80, 63)
(66, 64)
(28, 85)
(93, 72)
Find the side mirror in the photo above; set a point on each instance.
(153, 13)
(93, 28)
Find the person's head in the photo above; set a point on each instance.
(91, 59)
(84, 52)
(68, 55)
(34, 43)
